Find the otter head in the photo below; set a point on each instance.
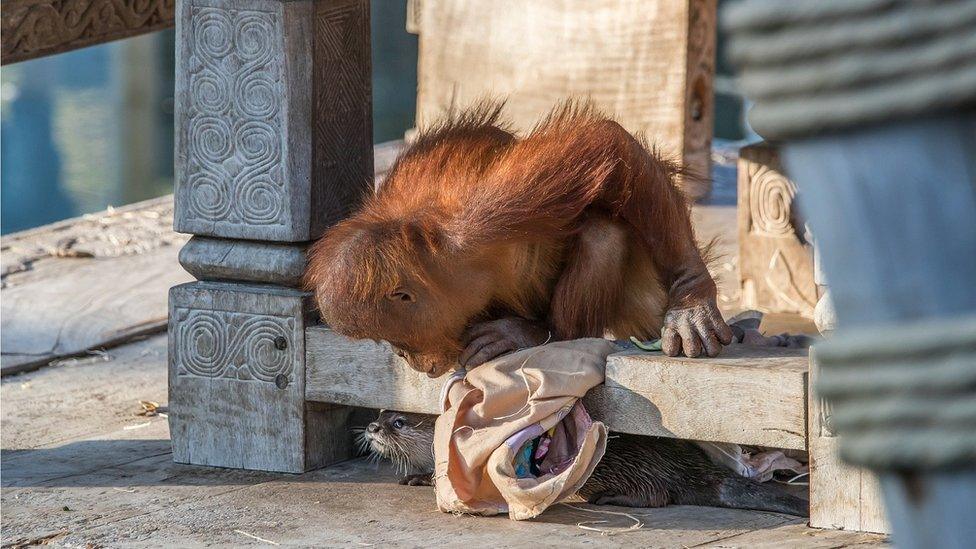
(399, 280)
(405, 439)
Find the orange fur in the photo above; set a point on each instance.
(578, 224)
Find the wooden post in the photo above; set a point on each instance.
(842, 496)
(775, 261)
(649, 63)
(273, 145)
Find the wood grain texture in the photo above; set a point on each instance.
(273, 116)
(35, 28)
(775, 261)
(246, 260)
(237, 381)
(342, 111)
(86, 283)
(648, 62)
(747, 396)
(841, 496)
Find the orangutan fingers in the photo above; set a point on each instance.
(710, 341)
(490, 352)
(671, 342)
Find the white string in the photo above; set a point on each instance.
(528, 388)
(637, 525)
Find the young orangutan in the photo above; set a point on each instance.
(480, 243)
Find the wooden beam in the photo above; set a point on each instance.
(649, 63)
(35, 28)
(746, 396)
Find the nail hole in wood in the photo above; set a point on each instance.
(280, 343)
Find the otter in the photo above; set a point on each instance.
(636, 471)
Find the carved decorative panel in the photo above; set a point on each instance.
(343, 163)
(226, 344)
(771, 197)
(34, 28)
(775, 262)
(234, 136)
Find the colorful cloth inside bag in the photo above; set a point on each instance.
(514, 436)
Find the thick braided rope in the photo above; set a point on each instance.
(903, 396)
(814, 67)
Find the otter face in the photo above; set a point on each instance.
(403, 438)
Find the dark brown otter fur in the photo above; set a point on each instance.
(635, 471)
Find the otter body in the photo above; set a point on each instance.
(635, 471)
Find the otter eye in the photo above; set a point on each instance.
(401, 295)
(398, 424)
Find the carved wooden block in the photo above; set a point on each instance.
(274, 136)
(650, 63)
(775, 261)
(841, 496)
(237, 381)
(34, 28)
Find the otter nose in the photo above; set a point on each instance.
(373, 427)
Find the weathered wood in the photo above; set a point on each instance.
(775, 261)
(34, 28)
(273, 108)
(747, 396)
(648, 62)
(842, 496)
(225, 259)
(237, 381)
(86, 283)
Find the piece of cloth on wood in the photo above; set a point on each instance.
(757, 464)
(495, 409)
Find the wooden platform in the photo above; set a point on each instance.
(748, 395)
(80, 467)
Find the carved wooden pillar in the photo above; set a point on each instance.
(273, 145)
(775, 261)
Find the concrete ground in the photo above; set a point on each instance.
(81, 469)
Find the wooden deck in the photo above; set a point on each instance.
(80, 467)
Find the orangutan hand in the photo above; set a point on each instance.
(694, 329)
(489, 340)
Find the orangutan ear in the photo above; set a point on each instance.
(427, 237)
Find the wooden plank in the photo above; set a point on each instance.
(35, 28)
(842, 496)
(648, 62)
(274, 142)
(86, 283)
(65, 445)
(775, 261)
(237, 381)
(747, 396)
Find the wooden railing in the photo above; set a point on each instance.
(36, 28)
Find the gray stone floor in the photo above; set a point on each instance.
(81, 469)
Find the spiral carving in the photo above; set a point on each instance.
(234, 137)
(771, 203)
(224, 344)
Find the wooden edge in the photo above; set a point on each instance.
(32, 28)
(709, 400)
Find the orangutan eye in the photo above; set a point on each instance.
(398, 424)
(400, 295)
